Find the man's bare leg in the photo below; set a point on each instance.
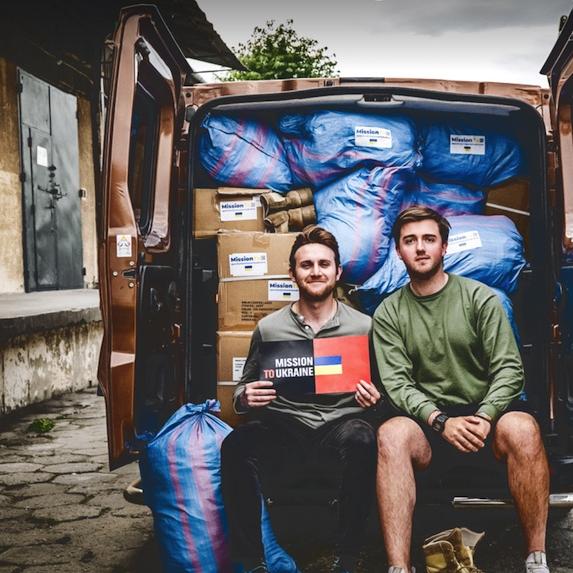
(518, 442)
(402, 447)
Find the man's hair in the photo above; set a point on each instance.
(415, 214)
(314, 234)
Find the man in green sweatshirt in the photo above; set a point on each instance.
(449, 363)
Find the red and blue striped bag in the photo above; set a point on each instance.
(180, 470)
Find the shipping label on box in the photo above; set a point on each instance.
(245, 210)
(254, 254)
(282, 290)
(248, 264)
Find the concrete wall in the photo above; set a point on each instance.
(11, 243)
(87, 181)
(37, 366)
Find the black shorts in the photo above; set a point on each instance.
(446, 458)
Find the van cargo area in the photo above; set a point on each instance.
(522, 197)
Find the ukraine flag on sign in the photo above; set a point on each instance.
(327, 365)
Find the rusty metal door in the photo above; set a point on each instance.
(50, 181)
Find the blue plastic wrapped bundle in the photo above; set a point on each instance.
(465, 153)
(359, 210)
(180, 470)
(487, 249)
(324, 145)
(448, 199)
(508, 307)
(243, 152)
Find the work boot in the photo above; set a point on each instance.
(451, 551)
(536, 562)
(277, 222)
(300, 217)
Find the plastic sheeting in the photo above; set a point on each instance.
(469, 154)
(360, 210)
(180, 470)
(243, 152)
(324, 145)
(488, 249)
(448, 199)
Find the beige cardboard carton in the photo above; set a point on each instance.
(246, 255)
(226, 208)
(242, 303)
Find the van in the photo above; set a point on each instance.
(159, 280)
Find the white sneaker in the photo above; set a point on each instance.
(536, 562)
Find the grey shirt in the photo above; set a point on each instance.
(283, 325)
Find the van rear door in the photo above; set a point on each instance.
(559, 70)
(139, 267)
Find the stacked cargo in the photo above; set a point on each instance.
(357, 171)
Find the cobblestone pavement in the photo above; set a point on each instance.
(62, 511)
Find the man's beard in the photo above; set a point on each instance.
(427, 274)
(316, 297)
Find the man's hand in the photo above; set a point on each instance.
(466, 433)
(367, 394)
(258, 394)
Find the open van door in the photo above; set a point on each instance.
(559, 70)
(140, 369)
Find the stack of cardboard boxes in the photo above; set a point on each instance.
(253, 275)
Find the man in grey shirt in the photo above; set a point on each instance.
(281, 430)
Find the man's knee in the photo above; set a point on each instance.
(517, 433)
(358, 434)
(401, 436)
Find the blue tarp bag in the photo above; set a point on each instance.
(243, 152)
(448, 199)
(180, 470)
(324, 145)
(359, 211)
(488, 249)
(508, 307)
(478, 156)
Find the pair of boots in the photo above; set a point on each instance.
(451, 551)
(290, 212)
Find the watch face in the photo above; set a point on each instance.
(439, 422)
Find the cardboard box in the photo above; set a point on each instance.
(244, 255)
(242, 303)
(225, 392)
(226, 208)
(232, 351)
(512, 200)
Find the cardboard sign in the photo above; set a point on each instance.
(319, 366)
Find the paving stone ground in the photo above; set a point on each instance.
(63, 511)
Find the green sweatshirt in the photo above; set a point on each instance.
(450, 348)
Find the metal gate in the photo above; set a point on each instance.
(51, 191)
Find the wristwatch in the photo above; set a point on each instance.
(439, 422)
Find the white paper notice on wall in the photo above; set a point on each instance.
(467, 144)
(41, 156)
(238, 365)
(282, 290)
(464, 242)
(248, 264)
(238, 210)
(378, 137)
(123, 245)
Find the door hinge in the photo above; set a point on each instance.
(19, 87)
(84, 271)
(23, 177)
(29, 141)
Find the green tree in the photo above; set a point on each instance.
(278, 52)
